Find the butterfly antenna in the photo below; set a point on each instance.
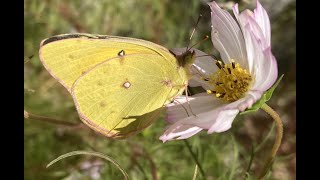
(194, 29)
(204, 39)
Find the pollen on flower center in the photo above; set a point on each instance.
(230, 82)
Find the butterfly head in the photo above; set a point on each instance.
(186, 59)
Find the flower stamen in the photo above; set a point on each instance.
(230, 82)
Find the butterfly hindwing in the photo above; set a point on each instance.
(125, 94)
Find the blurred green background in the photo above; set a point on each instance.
(168, 23)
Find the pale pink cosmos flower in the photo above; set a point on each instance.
(248, 68)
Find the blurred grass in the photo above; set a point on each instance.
(168, 23)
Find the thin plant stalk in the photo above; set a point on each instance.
(195, 159)
(277, 143)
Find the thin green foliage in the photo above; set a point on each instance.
(250, 162)
(106, 157)
(195, 158)
(195, 173)
(235, 158)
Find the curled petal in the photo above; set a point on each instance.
(256, 30)
(227, 36)
(270, 74)
(248, 44)
(247, 19)
(254, 26)
(265, 70)
(262, 18)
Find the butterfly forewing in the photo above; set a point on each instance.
(67, 57)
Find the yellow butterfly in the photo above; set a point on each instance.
(119, 85)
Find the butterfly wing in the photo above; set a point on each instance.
(68, 56)
(119, 85)
(125, 94)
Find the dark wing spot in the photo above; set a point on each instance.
(121, 53)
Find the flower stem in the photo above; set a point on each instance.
(278, 139)
(195, 158)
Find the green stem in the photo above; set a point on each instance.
(195, 158)
(28, 115)
(251, 160)
(277, 142)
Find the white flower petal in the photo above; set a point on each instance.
(182, 132)
(199, 103)
(227, 36)
(217, 119)
(224, 121)
(205, 65)
(198, 73)
(264, 65)
(248, 44)
(247, 19)
(197, 81)
(269, 73)
(256, 30)
(262, 18)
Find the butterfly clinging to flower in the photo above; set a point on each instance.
(119, 85)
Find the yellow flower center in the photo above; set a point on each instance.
(230, 82)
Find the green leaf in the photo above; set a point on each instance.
(264, 98)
